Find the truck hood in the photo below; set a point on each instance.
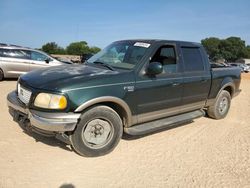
(54, 78)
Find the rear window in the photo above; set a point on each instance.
(192, 59)
(14, 53)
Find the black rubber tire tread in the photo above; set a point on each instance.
(1, 74)
(213, 110)
(97, 111)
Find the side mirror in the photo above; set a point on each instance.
(47, 60)
(154, 68)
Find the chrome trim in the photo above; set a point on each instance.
(25, 95)
(115, 100)
(54, 122)
(16, 107)
(59, 115)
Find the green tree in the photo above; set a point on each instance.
(94, 49)
(78, 48)
(212, 47)
(232, 48)
(247, 52)
(52, 48)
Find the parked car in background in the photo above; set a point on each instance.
(244, 68)
(17, 60)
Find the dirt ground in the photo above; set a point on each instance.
(205, 153)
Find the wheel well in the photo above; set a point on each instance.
(229, 89)
(120, 111)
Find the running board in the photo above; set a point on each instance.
(156, 125)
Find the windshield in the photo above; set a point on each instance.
(124, 55)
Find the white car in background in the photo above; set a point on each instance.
(17, 60)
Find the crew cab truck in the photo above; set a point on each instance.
(131, 86)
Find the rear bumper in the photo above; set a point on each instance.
(51, 122)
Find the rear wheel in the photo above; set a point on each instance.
(221, 106)
(1, 75)
(98, 132)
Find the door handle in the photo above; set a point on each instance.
(175, 84)
(203, 80)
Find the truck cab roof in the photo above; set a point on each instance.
(160, 41)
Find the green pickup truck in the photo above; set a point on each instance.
(131, 86)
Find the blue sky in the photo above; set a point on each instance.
(33, 23)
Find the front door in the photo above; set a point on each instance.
(160, 95)
(38, 60)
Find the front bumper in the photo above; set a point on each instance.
(44, 121)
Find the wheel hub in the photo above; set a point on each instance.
(223, 105)
(97, 133)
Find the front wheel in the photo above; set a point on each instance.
(221, 106)
(98, 132)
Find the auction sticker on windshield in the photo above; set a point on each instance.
(142, 44)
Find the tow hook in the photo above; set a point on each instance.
(63, 137)
(25, 123)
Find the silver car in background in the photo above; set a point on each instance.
(17, 60)
(244, 68)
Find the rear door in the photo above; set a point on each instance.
(196, 77)
(14, 62)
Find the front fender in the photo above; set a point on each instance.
(108, 99)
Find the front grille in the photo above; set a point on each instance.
(23, 94)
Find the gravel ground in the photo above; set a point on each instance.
(205, 153)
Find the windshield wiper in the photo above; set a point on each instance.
(104, 65)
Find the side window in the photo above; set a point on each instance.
(167, 57)
(14, 53)
(38, 56)
(4, 52)
(192, 59)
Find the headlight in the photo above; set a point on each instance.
(50, 101)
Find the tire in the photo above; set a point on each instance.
(221, 106)
(1, 75)
(98, 132)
